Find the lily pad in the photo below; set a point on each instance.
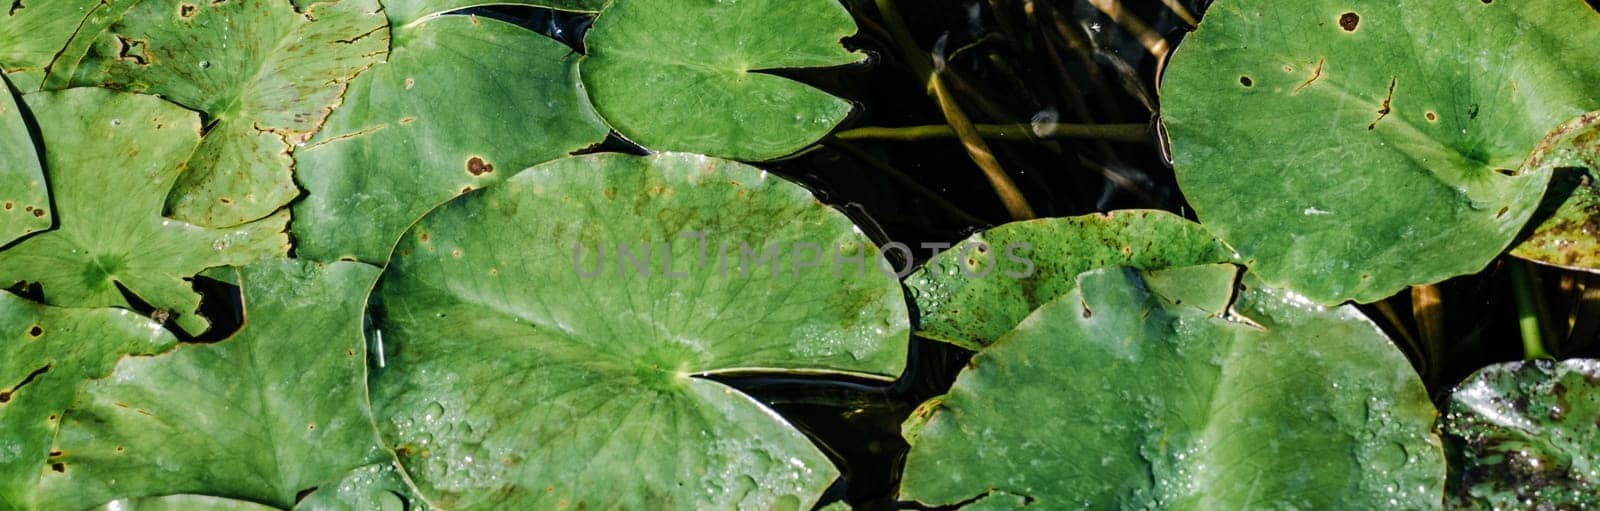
(49, 353)
(1530, 436)
(33, 32)
(377, 487)
(111, 157)
(1569, 235)
(182, 503)
(1350, 148)
(403, 12)
(687, 76)
(1179, 401)
(509, 379)
(431, 124)
(24, 204)
(264, 74)
(276, 409)
(978, 289)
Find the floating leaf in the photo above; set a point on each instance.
(49, 353)
(687, 76)
(509, 379)
(1177, 404)
(378, 487)
(402, 12)
(432, 123)
(1569, 235)
(24, 204)
(1350, 148)
(111, 157)
(275, 409)
(1530, 435)
(265, 75)
(979, 289)
(32, 33)
(183, 503)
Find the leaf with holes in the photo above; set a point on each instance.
(681, 76)
(24, 204)
(49, 353)
(1349, 148)
(977, 290)
(1185, 395)
(431, 124)
(277, 409)
(1568, 232)
(532, 361)
(110, 158)
(265, 75)
(33, 32)
(1529, 434)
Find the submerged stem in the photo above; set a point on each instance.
(1020, 132)
(1527, 311)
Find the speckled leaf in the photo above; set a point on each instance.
(265, 76)
(510, 380)
(402, 12)
(1333, 143)
(432, 123)
(1569, 234)
(24, 204)
(48, 354)
(978, 289)
(685, 76)
(377, 487)
(1176, 404)
(275, 409)
(111, 157)
(32, 32)
(1529, 434)
(182, 503)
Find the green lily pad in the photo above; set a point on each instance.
(24, 204)
(431, 124)
(978, 289)
(33, 32)
(686, 76)
(1569, 235)
(402, 12)
(511, 380)
(265, 75)
(49, 353)
(1179, 401)
(377, 487)
(1349, 148)
(1530, 436)
(111, 157)
(276, 409)
(182, 503)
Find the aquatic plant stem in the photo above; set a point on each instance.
(1018, 132)
(1527, 311)
(1152, 42)
(1427, 308)
(921, 64)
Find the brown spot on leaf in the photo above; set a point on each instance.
(59, 467)
(120, 449)
(1246, 81)
(1316, 74)
(9, 205)
(410, 83)
(610, 193)
(5, 397)
(1431, 116)
(136, 50)
(407, 120)
(1348, 21)
(16, 5)
(225, 201)
(36, 331)
(477, 167)
(186, 11)
(1383, 110)
(38, 212)
(423, 237)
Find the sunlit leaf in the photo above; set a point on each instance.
(510, 380)
(1145, 392)
(24, 204)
